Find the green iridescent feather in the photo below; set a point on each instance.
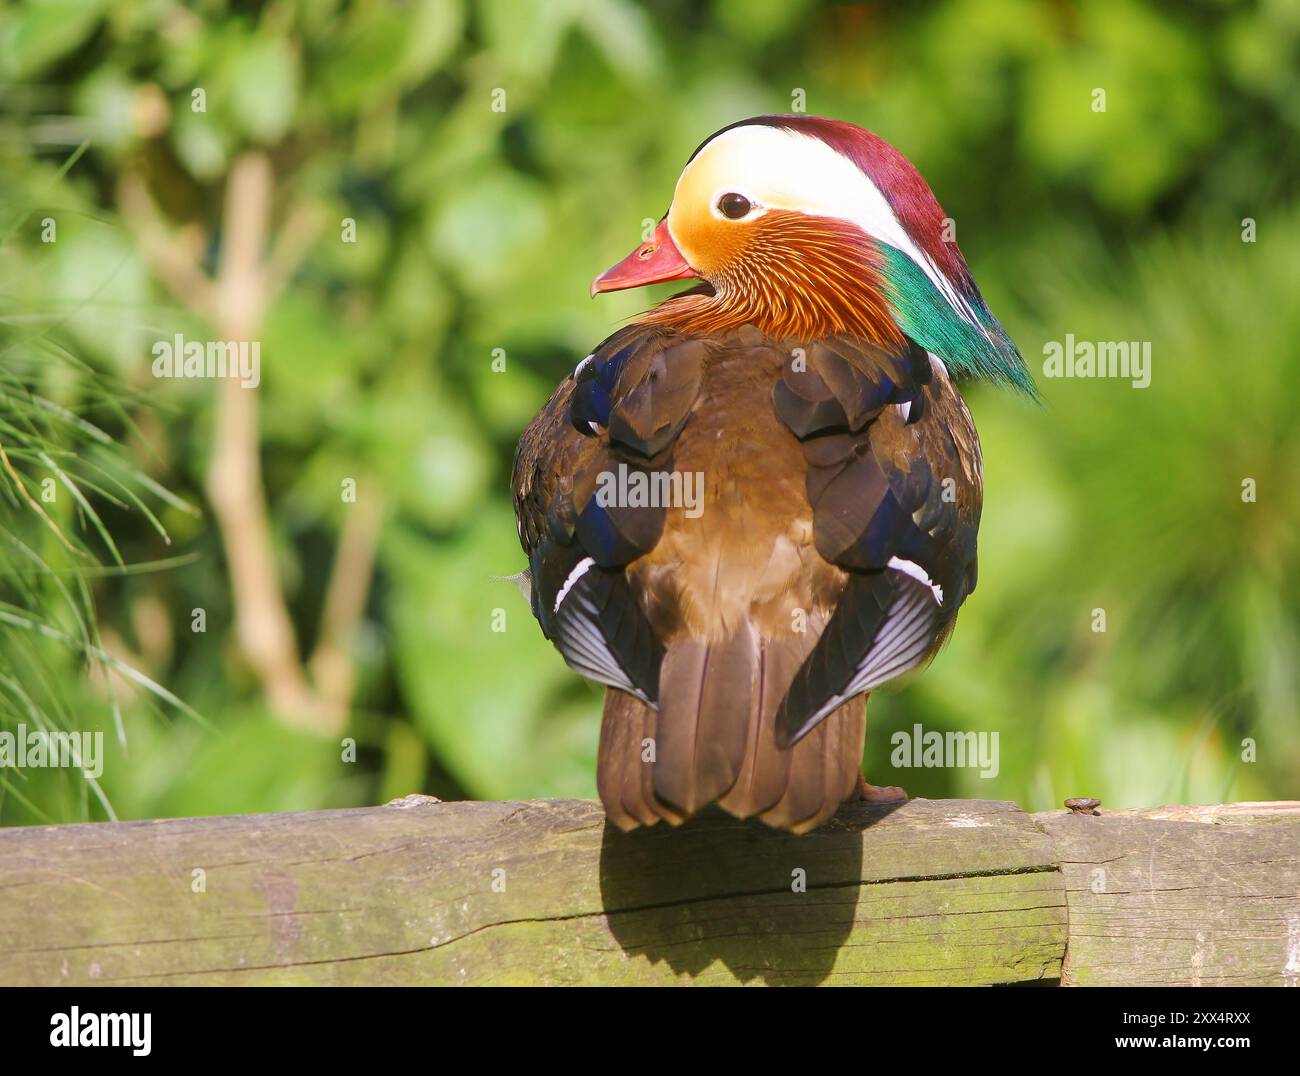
(926, 316)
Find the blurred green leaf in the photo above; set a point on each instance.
(35, 34)
(482, 696)
(262, 80)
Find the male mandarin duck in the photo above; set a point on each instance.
(808, 377)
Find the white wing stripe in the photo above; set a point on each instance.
(579, 570)
(918, 573)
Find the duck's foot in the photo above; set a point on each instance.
(869, 793)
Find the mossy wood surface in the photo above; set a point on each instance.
(942, 891)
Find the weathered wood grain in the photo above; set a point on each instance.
(544, 892)
(951, 891)
(1196, 896)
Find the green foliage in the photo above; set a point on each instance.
(477, 232)
(61, 476)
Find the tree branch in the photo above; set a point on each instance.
(173, 265)
(234, 304)
(332, 667)
(234, 480)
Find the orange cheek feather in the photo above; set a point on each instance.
(787, 273)
(710, 245)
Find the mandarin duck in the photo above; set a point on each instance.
(758, 501)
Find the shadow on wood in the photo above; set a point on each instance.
(929, 891)
(766, 904)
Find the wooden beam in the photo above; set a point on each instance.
(1182, 895)
(932, 892)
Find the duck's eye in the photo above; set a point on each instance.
(734, 206)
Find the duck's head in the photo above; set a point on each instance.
(805, 227)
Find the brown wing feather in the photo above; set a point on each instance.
(893, 480)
